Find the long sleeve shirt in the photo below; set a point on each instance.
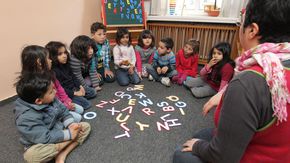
(82, 70)
(124, 53)
(165, 60)
(246, 108)
(61, 94)
(102, 55)
(227, 72)
(143, 56)
(188, 66)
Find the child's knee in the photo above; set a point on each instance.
(40, 153)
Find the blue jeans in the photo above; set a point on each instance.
(188, 157)
(77, 113)
(106, 79)
(82, 102)
(124, 78)
(90, 92)
(157, 77)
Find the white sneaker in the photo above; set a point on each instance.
(165, 81)
(150, 78)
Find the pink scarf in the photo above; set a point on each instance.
(269, 57)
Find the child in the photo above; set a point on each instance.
(163, 66)
(47, 129)
(83, 64)
(98, 31)
(144, 52)
(187, 61)
(214, 75)
(35, 59)
(125, 59)
(61, 67)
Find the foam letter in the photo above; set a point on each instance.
(180, 104)
(162, 104)
(138, 87)
(122, 120)
(160, 125)
(172, 98)
(171, 122)
(140, 95)
(113, 111)
(101, 105)
(130, 109)
(148, 111)
(126, 134)
(132, 102)
(168, 108)
(114, 101)
(124, 127)
(144, 103)
(142, 125)
(163, 117)
(181, 111)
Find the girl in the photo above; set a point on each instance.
(61, 67)
(187, 61)
(125, 59)
(214, 75)
(35, 59)
(144, 52)
(83, 64)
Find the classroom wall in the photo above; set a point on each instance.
(37, 22)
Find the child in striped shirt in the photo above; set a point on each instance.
(163, 66)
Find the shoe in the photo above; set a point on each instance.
(165, 81)
(150, 78)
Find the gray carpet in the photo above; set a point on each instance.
(148, 146)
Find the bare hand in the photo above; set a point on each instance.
(74, 129)
(164, 69)
(212, 62)
(187, 146)
(78, 93)
(108, 73)
(82, 89)
(99, 76)
(158, 70)
(211, 103)
(131, 70)
(140, 75)
(71, 106)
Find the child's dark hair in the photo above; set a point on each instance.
(31, 86)
(97, 25)
(272, 18)
(80, 46)
(53, 47)
(225, 48)
(168, 42)
(33, 59)
(120, 34)
(194, 44)
(146, 34)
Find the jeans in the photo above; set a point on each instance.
(152, 71)
(199, 88)
(82, 101)
(188, 157)
(124, 78)
(106, 79)
(90, 92)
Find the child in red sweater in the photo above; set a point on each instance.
(187, 61)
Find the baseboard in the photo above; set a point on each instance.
(8, 100)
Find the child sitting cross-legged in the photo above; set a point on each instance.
(46, 127)
(163, 66)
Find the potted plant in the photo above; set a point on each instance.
(212, 10)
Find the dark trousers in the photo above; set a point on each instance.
(104, 79)
(124, 78)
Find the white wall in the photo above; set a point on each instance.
(38, 22)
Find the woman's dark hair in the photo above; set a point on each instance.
(120, 34)
(272, 17)
(31, 86)
(146, 34)
(225, 48)
(53, 48)
(33, 59)
(80, 46)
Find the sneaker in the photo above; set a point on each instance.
(150, 78)
(165, 81)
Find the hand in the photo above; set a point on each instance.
(108, 73)
(98, 88)
(187, 146)
(158, 70)
(71, 106)
(212, 62)
(164, 69)
(211, 103)
(140, 75)
(131, 70)
(78, 93)
(82, 89)
(99, 76)
(74, 129)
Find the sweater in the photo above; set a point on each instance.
(123, 53)
(188, 66)
(143, 56)
(165, 60)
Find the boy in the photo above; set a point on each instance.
(163, 66)
(47, 129)
(98, 31)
